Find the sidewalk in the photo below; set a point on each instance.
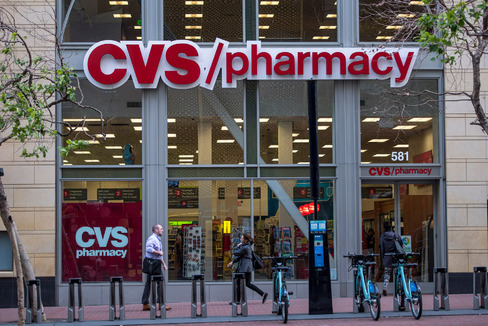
(460, 304)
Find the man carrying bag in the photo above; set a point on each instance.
(151, 265)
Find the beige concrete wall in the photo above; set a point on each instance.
(30, 183)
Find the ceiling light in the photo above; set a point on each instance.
(171, 135)
(327, 146)
(82, 152)
(186, 156)
(365, 162)
(193, 37)
(417, 3)
(138, 128)
(331, 16)
(371, 119)
(364, 150)
(300, 141)
(172, 147)
(269, 3)
(121, 163)
(80, 128)
(405, 15)
(404, 127)
(294, 151)
(171, 120)
(65, 161)
(401, 146)
(303, 162)
(225, 128)
(193, 27)
(119, 3)
(384, 37)
(197, 3)
(122, 16)
(419, 119)
(275, 160)
(320, 38)
(93, 142)
(106, 136)
(238, 120)
(378, 140)
(78, 120)
(137, 27)
(183, 163)
(323, 127)
(113, 147)
(138, 120)
(295, 134)
(139, 37)
(117, 156)
(225, 141)
(264, 27)
(394, 27)
(140, 141)
(327, 27)
(67, 164)
(321, 155)
(185, 160)
(324, 120)
(266, 15)
(193, 15)
(262, 37)
(92, 161)
(273, 146)
(263, 119)
(381, 155)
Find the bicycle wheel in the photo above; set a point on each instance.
(399, 294)
(284, 301)
(359, 295)
(375, 303)
(416, 302)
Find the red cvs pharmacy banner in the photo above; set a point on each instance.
(183, 64)
(102, 240)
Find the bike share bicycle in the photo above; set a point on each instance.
(365, 291)
(408, 290)
(281, 299)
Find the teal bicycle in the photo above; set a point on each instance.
(281, 299)
(406, 289)
(365, 290)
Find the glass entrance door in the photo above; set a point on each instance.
(409, 207)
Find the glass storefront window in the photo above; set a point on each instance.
(399, 126)
(102, 230)
(203, 21)
(208, 217)
(93, 21)
(206, 127)
(297, 21)
(284, 137)
(383, 21)
(122, 125)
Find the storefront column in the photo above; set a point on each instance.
(285, 142)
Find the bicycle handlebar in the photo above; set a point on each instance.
(275, 258)
(408, 254)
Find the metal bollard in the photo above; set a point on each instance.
(441, 288)
(480, 301)
(71, 305)
(112, 313)
(159, 280)
(241, 299)
(29, 302)
(203, 304)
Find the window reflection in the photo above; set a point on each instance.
(93, 21)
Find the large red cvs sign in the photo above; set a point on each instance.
(183, 64)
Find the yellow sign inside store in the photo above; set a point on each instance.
(226, 226)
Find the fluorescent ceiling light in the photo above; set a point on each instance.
(417, 3)
(119, 3)
(371, 119)
(122, 16)
(394, 27)
(419, 119)
(140, 141)
(80, 129)
(303, 162)
(365, 162)
(266, 15)
(138, 128)
(92, 142)
(327, 27)
(381, 155)
(106, 136)
(185, 160)
(117, 156)
(269, 3)
(275, 160)
(137, 27)
(273, 146)
(264, 27)
(171, 135)
(193, 37)
(171, 120)
(327, 146)
(384, 37)
(136, 120)
(67, 164)
(331, 16)
(224, 128)
(263, 119)
(193, 15)
(295, 134)
(185, 163)
(121, 163)
(186, 156)
(262, 37)
(406, 127)
(364, 150)
(172, 147)
(324, 120)
(378, 140)
(193, 27)
(300, 141)
(401, 146)
(294, 151)
(320, 37)
(65, 161)
(92, 161)
(196, 3)
(238, 120)
(323, 127)
(82, 152)
(225, 141)
(406, 15)
(321, 155)
(78, 120)
(113, 147)
(139, 37)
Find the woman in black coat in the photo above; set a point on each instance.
(243, 255)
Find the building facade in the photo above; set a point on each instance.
(212, 162)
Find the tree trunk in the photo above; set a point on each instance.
(10, 227)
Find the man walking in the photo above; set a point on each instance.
(154, 251)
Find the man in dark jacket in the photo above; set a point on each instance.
(387, 244)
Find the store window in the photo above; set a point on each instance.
(93, 21)
(400, 125)
(6, 261)
(102, 230)
(206, 127)
(112, 126)
(203, 21)
(283, 121)
(298, 21)
(389, 21)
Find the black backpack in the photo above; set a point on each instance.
(257, 263)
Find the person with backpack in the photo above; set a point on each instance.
(243, 256)
(388, 245)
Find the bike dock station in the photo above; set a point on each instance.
(239, 295)
(480, 288)
(71, 304)
(441, 288)
(112, 307)
(203, 303)
(29, 316)
(159, 299)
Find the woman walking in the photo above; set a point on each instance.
(243, 255)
